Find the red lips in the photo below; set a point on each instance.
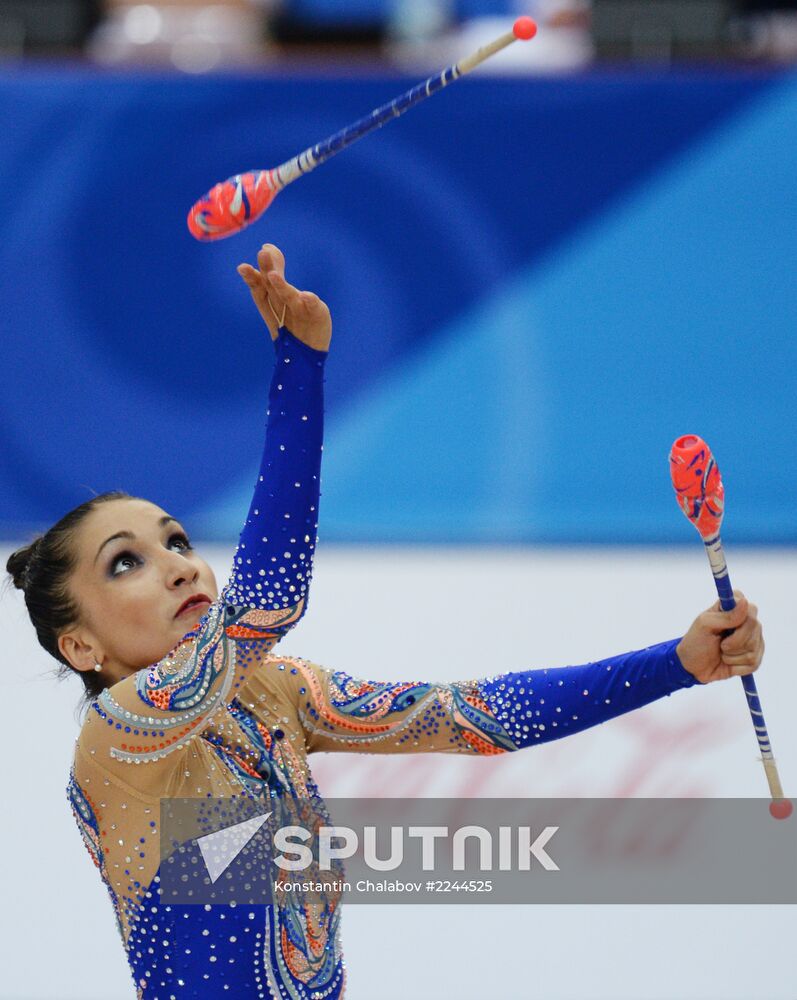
(194, 601)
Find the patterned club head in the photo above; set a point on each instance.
(698, 485)
(231, 205)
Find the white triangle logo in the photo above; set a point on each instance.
(221, 848)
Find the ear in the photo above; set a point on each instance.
(79, 649)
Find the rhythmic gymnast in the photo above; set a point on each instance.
(186, 697)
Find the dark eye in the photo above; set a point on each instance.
(123, 557)
(180, 538)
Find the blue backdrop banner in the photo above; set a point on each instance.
(536, 285)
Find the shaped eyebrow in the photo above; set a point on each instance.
(129, 534)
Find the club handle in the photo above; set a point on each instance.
(314, 156)
(724, 587)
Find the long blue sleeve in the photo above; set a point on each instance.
(536, 706)
(273, 562)
(491, 715)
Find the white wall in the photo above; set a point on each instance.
(444, 615)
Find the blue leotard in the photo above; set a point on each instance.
(221, 715)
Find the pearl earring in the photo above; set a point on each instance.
(98, 666)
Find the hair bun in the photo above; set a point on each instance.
(19, 562)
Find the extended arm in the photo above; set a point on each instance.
(273, 561)
(485, 716)
(511, 710)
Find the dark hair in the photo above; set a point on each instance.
(41, 570)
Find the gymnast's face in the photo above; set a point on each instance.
(135, 568)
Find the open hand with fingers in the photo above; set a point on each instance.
(280, 304)
(709, 653)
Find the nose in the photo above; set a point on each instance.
(180, 570)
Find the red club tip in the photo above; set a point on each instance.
(781, 808)
(524, 28)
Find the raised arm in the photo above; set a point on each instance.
(160, 708)
(273, 562)
(513, 710)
